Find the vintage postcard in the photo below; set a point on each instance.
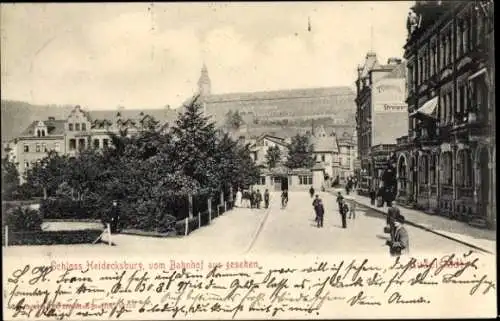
(260, 160)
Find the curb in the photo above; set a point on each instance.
(426, 228)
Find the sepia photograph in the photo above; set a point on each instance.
(248, 160)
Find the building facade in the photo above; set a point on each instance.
(381, 113)
(80, 130)
(347, 156)
(446, 162)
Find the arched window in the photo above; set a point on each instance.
(464, 168)
(38, 132)
(447, 169)
(424, 170)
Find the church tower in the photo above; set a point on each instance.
(204, 85)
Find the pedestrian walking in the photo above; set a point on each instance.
(284, 198)
(339, 199)
(266, 198)
(373, 196)
(115, 217)
(258, 199)
(343, 212)
(238, 199)
(311, 192)
(315, 203)
(320, 213)
(352, 208)
(399, 243)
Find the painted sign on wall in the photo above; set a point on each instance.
(388, 95)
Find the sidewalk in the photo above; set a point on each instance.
(481, 239)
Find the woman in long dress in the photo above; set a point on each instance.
(239, 196)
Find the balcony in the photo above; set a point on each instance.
(403, 140)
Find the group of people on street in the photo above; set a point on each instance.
(351, 184)
(344, 209)
(253, 198)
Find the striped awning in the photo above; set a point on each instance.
(428, 109)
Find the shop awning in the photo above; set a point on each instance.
(428, 109)
(477, 74)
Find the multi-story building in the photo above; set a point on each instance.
(446, 163)
(80, 130)
(261, 146)
(347, 156)
(381, 113)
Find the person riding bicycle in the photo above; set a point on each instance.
(284, 198)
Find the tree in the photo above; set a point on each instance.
(300, 154)
(48, 173)
(273, 156)
(194, 143)
(10, 179)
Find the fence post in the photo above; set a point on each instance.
(209, 210)
(199, 220)
(221, 198)
(186, 226)
(108, 228)
(6, 235)
(231, 196)
(225, 207)
(190, 206)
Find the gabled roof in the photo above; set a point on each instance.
(54, 127)
(324, 144)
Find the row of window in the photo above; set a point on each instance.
(470, 32)
(41, 148)
(40, 132)
(303, 180)
(76, 127)
(428, 170)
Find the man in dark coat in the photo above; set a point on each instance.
(311, 192)
(315, 204)
(339, 199)
(258, 199)
(115, 217)
(343, 212)
(400, 242)
(320, 213)
(266, 198)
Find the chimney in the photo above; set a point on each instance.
(52, 118)
(394, 61)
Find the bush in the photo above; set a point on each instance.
(69, 209)
(22, 219)
(87, 236)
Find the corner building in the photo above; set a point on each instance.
(446, 163)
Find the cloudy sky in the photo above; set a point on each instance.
(150, 55)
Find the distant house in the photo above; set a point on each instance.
(263, 143)
(80, 130)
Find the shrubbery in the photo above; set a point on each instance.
(22, 219)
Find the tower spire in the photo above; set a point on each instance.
(204, 84)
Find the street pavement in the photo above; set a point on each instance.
(289, 231)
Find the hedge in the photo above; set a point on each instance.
(69, 209)
(87, 236)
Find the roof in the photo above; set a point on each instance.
(324, 144)
(399, 71)
(161, 115)
(54, 127)
(281, 94)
